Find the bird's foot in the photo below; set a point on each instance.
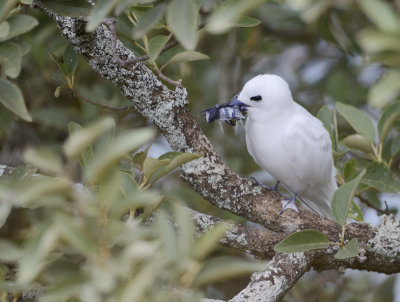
(289, 204)
(273, 188)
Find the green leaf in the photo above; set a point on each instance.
(389, 116)
(379, 176)
(175, 160)
(302, 241)
(395, 148)
(374, 41)
(381, 14)
(81, 139)
(343, 197)
(358, 142)
(349, 171)
(11, 57)
(139, 158)
(228, 14)
(209, 241)
(71, 59)
(21, 174)
(100, 10)
(19, 25)
(182, 18)
(220, 268)
(45, 159)
(349, 250)
(168, 236)
(328, 117)
(5, 209)
(4, 29)
(9, 252)
(156, 44)
(355, 212)
(246, 21)
(151, 165)
(386, 89)
(359, 120)
(147, 21)
(11, 97)
(70, 8)
(113, 151)
(186, 56)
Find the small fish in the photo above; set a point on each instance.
(229, 112)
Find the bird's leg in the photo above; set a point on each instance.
(273, 188)
(289, 204)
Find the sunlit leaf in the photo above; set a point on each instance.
(349, 250)
(147, 21)
(359, 120)
(381, 14)
(343, 197)
(70, 8)
(374, 41)
(11, 97)
(302, 241)
(389, 116)
(182, 17)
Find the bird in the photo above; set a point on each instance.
(288, 142)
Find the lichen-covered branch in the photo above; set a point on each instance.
(216, 182)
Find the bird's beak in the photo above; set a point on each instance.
(235, 102)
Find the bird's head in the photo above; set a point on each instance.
(265, 93)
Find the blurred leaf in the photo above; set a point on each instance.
(186, 233)
(186, 56)
(395, 148)
(156, 45)
(151, 165)
(381, 14)
(139, 158)
(168, 236)
(246, 21)
(359, 120)
(20, 174)
(220, 268)
(11, 57)
(389, 116)
(147, 21)
(386, 89)
(343, 197)
(11, 97)
(45, 159)
(374, 41)
(5, 210)
(228, 13)
(70, 8)
(349, 171)
(350, 250)
(182, 18)
(342, 150)
(19, 25)
(358, 142)
(71, 59)
(100, 10)
(79, 140)
(175, 160)
(115, 150)
(328, 117)
(4, 29)
(385, 291)
(380, 177)
(9, 252)
(302, 241)
(209, 241)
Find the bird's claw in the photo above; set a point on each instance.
(274, 188)
(289, 204)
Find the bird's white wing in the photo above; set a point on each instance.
(308, 147)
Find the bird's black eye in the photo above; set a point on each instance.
(256, 98)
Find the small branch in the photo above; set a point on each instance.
(82, 98)
(371, 205)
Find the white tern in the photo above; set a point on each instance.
(288, 142)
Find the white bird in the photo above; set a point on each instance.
(288, 142)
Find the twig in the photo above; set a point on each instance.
(82, 98)
(371, 205)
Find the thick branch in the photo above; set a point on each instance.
(208, 175)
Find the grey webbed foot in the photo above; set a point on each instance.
(289, 204)
(274, 188)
